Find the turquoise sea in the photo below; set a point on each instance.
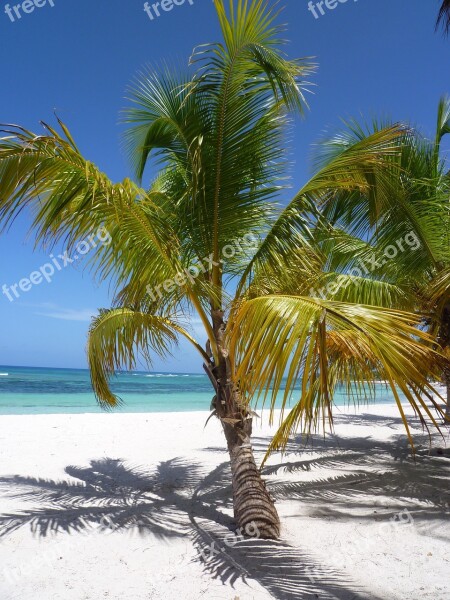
(30, 390)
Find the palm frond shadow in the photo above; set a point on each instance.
(176, 499)
(373, 419)
(356, 475)
(108, 494)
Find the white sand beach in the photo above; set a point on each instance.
(122, 506)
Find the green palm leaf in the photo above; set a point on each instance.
(118, 336)
(355, 169)
(320, 343)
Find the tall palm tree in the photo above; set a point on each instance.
(444, 16)
(414, 202)
(219, 138)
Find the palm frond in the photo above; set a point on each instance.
(354, 169)
(439, 287)
(70, 198)
(413, 198)
(318, 344)
(163, 118)
(118, 336)
(444, 16)
(357, 289)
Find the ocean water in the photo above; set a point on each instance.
(29, 390)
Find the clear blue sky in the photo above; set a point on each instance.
(376, 57)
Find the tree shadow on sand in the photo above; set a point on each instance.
(176, 499)
(363, 474)
(362, 478)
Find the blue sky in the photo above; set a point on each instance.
(375, 57)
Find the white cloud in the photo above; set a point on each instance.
(68, 314)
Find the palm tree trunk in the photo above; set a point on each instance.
(444, 341)
(254, 509)
(447, 384)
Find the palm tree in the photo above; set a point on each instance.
(444, 16)
(219, 137)
(413, 202)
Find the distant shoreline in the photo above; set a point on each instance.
(37, 390)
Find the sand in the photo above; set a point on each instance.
(137, 506)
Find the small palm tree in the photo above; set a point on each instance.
(219, 138)
(414, 202)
